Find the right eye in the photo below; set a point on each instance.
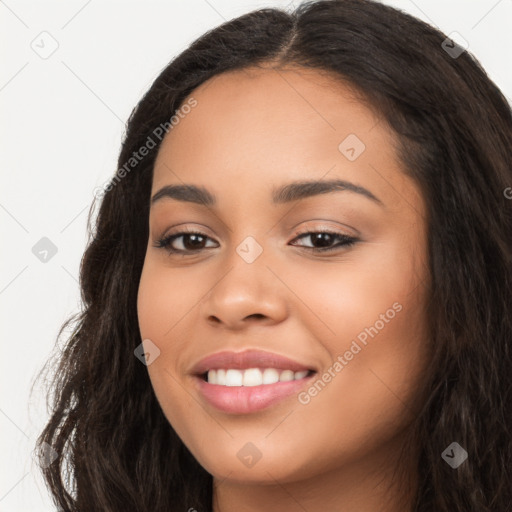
(188, 242)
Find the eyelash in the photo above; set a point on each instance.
(346, 241)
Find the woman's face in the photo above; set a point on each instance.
(250, 279)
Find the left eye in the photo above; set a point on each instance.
(193, 242)
(325, 239)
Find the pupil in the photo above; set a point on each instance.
(193, 238)
(325, 239)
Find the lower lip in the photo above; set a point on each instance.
(247, 399)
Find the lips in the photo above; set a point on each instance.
(245, 399)
(248, 359)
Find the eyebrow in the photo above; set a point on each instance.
(294, 191)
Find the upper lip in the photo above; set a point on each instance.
(247, 359)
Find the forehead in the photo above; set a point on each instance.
(261, 126)
(251, 106)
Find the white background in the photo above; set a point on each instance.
(62, 122)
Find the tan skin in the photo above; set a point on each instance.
(253, 131)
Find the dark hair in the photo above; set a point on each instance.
(117, 451)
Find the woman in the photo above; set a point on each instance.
(298, 295)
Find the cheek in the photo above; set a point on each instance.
(165, 307)
(160, 308)
(165, 297)
(349, 295)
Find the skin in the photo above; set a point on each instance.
(251, 131)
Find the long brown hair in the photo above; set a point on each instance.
(115, 449)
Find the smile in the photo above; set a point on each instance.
(248, 381)
(252, 376)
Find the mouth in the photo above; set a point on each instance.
(237, 392)
(249, 381)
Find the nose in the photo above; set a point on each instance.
(248, 293)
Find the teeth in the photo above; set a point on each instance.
(286, 375)
(252, 376)
(270, 376)
(221, 377)
(233, 378)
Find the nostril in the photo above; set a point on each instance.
(256, 315)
